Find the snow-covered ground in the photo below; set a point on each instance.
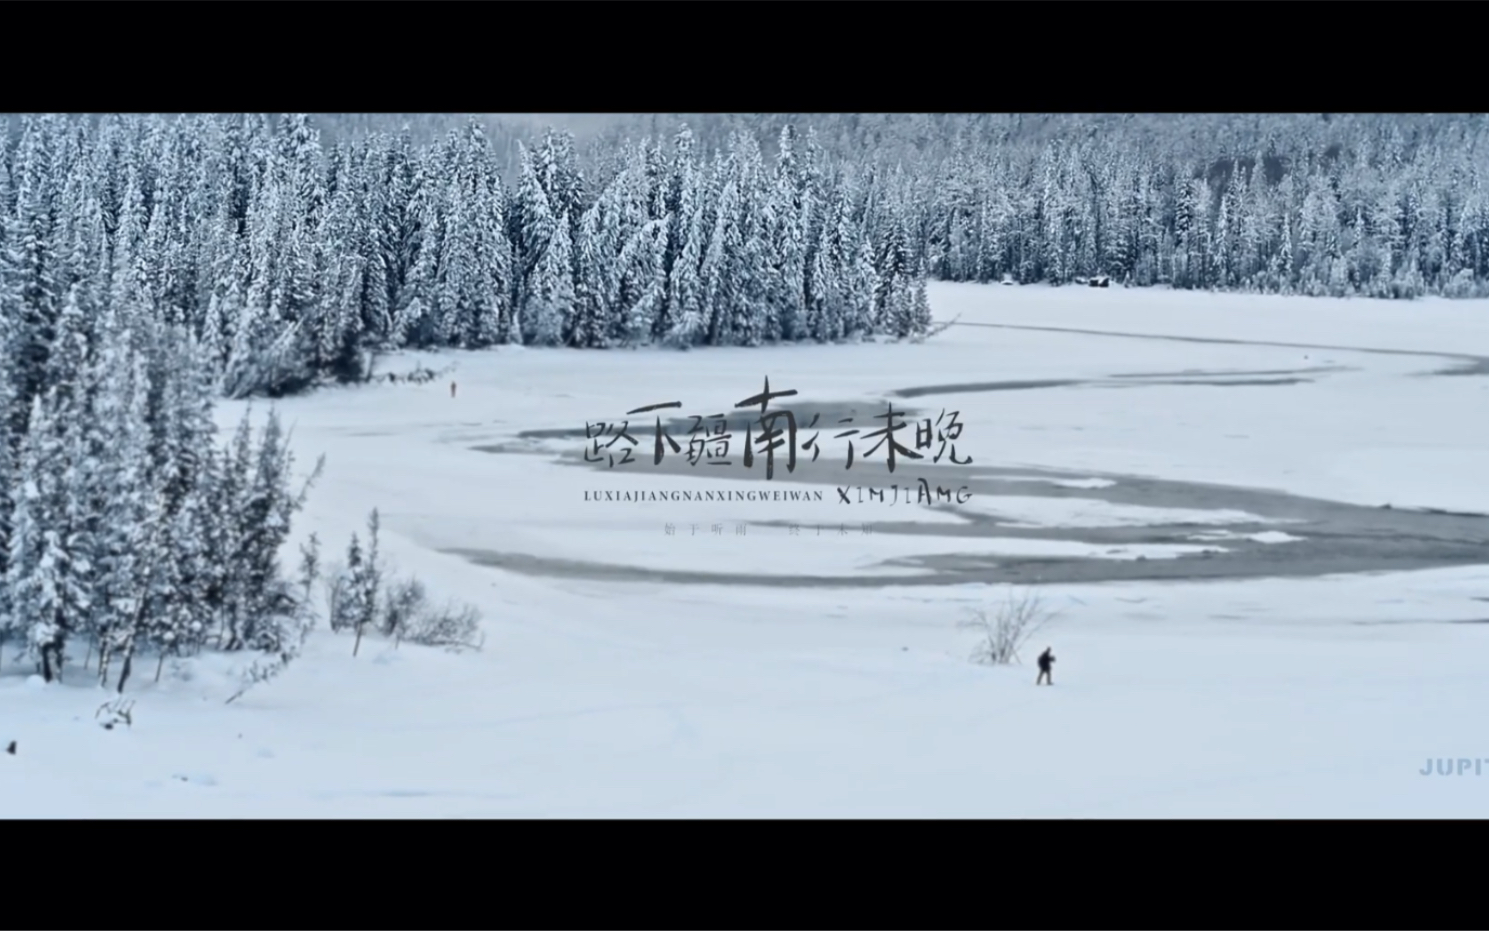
(1297, 698)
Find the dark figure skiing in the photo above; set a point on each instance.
(452, 389)
(1046, 660)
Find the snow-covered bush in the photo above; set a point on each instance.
(361, 600)
(453, 626)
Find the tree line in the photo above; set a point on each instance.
(1376, 205)
(291, 261)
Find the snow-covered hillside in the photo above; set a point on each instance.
(629, 671)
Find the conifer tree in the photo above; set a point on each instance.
(10, 624)
(49, 571)
(551, 301)
(787, 291)
(532, 231)
(721, 287)
(31, 266)
(688, 303)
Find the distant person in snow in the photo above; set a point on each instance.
(1046, 661)
(452, 389)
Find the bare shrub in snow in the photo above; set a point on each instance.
(455, 627)
(1003, 630)
(406, 613)
(406, 599)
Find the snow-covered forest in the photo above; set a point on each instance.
(291, 260)
(150, 264)
(293, 246)
(1369, 207)
(1379, 205)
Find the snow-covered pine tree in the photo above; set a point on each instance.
(82, 239)
(789, 204)
(49, 575)
(399, 179)
(346, 601)
(497, 311)
(161, 249)
(186, 473)
(302, 163)
(891, 270)
(146, 587)
(274, 346)
(629, 274)
(71, 496)
(672, 166)
(454, 308)
(295, 303)
(68, 356)
(498, 259)
(181, 627)
(7, 191)
(127, 546)
(598, 322)
(860, 278)
(9, 488)
(225, 476)
(550, 306)
(723, 296)
(32, 300)
(365, 583)
(917, 313)
(823, 279)
(340, 317)
(656, 178)
(88, 395)
(255, 328)
(415, 322)
(688, 313)
(128, 285)
(753, 317)
(268, 507)
(562, 179)
(641, 286)
(532, 229)
(229, 489)
(229, 273)
(203, 142)
(368, 231)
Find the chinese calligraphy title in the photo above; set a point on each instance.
(772, 431)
